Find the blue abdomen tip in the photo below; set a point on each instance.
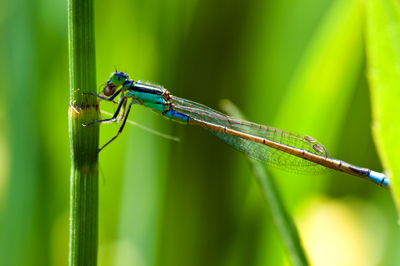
(379, 178)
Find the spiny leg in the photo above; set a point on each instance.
(123, 109)
(120, 128)
(113, 119)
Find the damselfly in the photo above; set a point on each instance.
(275, 147)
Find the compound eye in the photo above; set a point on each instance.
(125, 75)
(109, 90)
(117, 79)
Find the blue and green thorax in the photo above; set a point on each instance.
(154, 97)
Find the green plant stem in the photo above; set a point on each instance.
(84, 142)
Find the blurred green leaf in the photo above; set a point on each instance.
(283, 221)
(22, 220)
(321, 90)
(382, 30)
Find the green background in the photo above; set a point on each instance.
(295, 65)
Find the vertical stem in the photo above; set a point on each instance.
(84, 142)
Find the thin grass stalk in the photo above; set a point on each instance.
(84, 142)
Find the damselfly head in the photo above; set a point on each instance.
(117, 79)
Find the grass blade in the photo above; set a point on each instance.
(382, 30)
(283, 221)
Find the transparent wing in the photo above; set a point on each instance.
(263, 153)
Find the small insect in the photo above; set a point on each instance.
(275, 147)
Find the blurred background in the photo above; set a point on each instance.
(295, 65)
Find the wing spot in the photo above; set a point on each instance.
(309, 139)
(318, 148)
